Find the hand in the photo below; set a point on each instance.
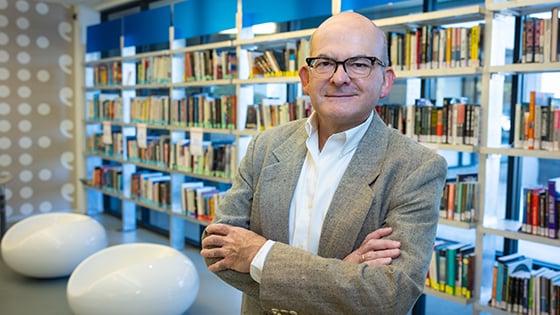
(374, 250)
(234, 247)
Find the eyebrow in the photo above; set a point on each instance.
(329, 57)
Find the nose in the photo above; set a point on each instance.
(340, 77)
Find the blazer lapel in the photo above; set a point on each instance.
(279, 181)
(353, 197)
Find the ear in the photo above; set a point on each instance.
(387, 82)
(304, 77)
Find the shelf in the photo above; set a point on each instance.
(444, 72)
(146, 205)
(440, 17)
(267, 80)
(441, 295)
(104, 60)
(526, 68)
(99, 122)
(106, 192)
(275, 37)
(145, 55)
(190, 219)
(450, 147)
(216, 45)
(457, 224)
(103, 87)
(203, 177)
(509, 229)
(521, 152)
(203, 83)
(105, 157)
(163, 169)
(146, 86)
(523, 7)
(491, 310)
(247, 132)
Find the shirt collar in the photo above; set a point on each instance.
(351, 137)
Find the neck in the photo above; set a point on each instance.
(325, 129)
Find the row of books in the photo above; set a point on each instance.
(270, 113)
(459, 201)
(153, 70)
(282, 61)
(209, 65)
(451, 268)
(199, 201)
(202, 110)
(218, 159)
(517, 288)
(107, 177)
(97, 143)
(456, 122)
(537, 123)
(541, 210)
(104, 107)
(150, 110)
(540, 39)
(151, 187)
(434, 47)
(108, 74)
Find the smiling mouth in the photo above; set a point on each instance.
(340, 95)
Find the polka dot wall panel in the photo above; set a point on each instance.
(36, 106)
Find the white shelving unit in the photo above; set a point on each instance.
(541, 154)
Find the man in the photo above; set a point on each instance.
(336, 214)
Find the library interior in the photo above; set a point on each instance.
(143, 143)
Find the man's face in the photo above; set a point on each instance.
(340, 99)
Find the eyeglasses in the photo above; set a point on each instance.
(355, 67)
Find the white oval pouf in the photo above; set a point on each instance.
(51, 245)
(133, 279)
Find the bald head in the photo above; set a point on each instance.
(350, 23)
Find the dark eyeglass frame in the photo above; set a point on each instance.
(374, 60)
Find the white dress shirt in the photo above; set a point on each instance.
(320, 174)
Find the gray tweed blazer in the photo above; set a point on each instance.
(390, 181)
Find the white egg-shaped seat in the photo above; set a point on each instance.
(133, 279)
(51, 245)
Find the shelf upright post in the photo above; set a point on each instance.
(244, 93)
(128, 211)
(176, 223)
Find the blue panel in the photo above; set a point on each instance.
(361, 4)
(259, 11)
(104, 36)
(202, 17)
(147, 27)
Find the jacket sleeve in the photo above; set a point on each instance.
(235, 210)
(297, 280)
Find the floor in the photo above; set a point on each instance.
(25, 296)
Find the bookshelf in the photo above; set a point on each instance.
(487, 150)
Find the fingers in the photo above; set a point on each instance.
(213, 241)
(220, 265)
(213, 253)
(376, 244)
(218, 228)
(375, 255)
(379, 233)
(379, 262)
